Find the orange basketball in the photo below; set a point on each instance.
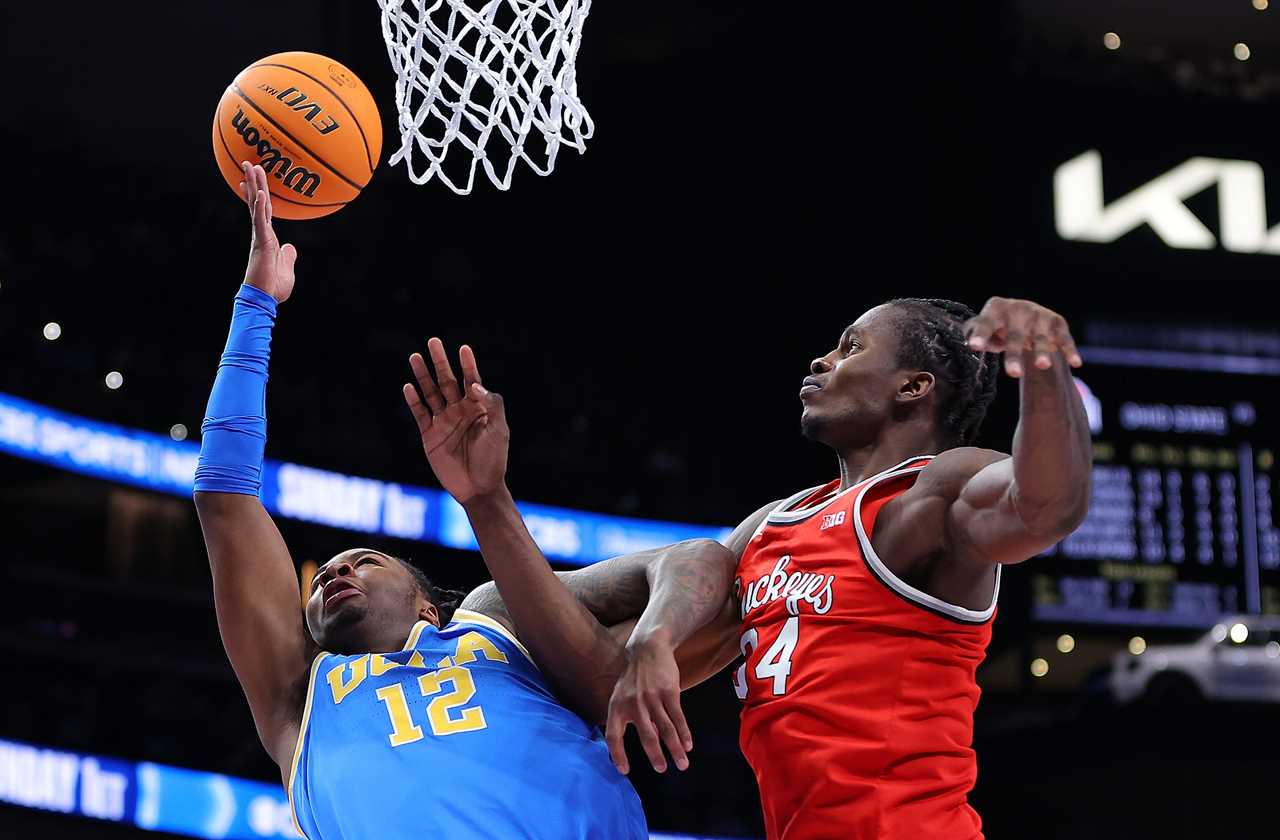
(311, 124)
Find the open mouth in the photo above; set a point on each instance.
(338, 590)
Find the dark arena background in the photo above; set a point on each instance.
(759, 176)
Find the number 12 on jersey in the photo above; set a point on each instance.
(776, 662)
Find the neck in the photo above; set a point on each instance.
(857, 464)
(387, 638)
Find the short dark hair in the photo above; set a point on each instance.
(932, 339)
(446, 600)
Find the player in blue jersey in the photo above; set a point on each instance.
(419, 718)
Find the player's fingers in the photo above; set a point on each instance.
(491, 401)
(1017, 329)
(1066, 342)
(253, 178)
(265, 186)
(420, 413)
(444, 371)
(246, 187)
(470, 371)
(980, 330)
(261, 222)
(257, 184)
(650, 741)
(428, 385)
(671, 737)
(671, 702)
(614, 734)
(1013, 353)
(1043, 345)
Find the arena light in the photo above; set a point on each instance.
(1111, 41)
(114, 380)
(178, 431)
(1241, 51)
(1039, 667)
(1219, 632)
(1260, 5)
(1273, 650)
(52, 330)
(1239, 633)
(1066, 643)
(1137, 645)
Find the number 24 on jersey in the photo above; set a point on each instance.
(775, 666)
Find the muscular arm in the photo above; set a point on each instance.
(683, 591)
(612, 590)
(1016, 507)
(662, 658)
(683, 580)
(701, 599)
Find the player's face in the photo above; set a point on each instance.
(850, 392)
(355, 595)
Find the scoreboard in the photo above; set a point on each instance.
(1180, 530)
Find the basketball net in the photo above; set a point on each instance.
(493, 76)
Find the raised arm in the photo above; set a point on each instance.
(680, 588)
(255, 587)
(985, 507)
(465, 436)
(1017, 507)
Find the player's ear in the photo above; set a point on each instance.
(427, 612)
(917, 386)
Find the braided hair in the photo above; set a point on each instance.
(931, 338)
(445, 600)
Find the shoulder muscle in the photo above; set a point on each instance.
(916, 521)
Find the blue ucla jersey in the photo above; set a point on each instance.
(456, 736)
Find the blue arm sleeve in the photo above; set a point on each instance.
(234, 432)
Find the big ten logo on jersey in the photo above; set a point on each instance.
(831, 520)
(448, 713)
(299, 101)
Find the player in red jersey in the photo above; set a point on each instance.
(866, 603)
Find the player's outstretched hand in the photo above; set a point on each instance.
(464, 430)
(1021, 329)
(270, 263)
(648, 695)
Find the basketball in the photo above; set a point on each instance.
(311, 124)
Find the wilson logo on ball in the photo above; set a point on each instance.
(296, 178)
(268, 107)
(299, 101)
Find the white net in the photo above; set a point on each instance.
(495, 77)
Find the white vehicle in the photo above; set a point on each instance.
(1238, 659)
